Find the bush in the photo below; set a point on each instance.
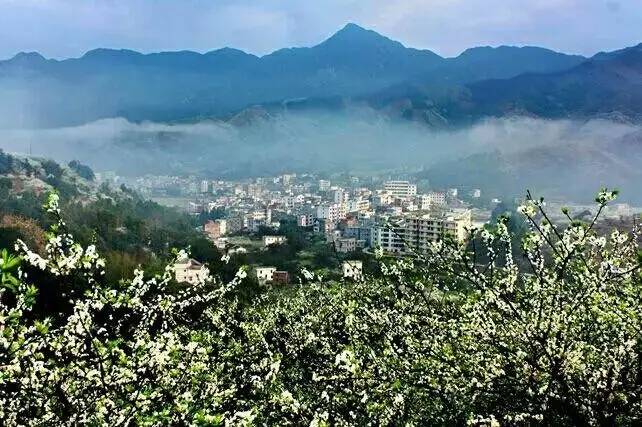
(83, 171)
(557, 343)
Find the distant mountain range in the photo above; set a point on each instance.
(354, 66)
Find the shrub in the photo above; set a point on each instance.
(440, 338)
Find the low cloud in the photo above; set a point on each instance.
(357, 141)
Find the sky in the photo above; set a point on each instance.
(68, 28)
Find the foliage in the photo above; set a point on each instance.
(557, 343)
(83, 171)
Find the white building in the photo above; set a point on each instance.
(273, 240)
(215, 229)
(339, 195)
(360, 205)
(400, 188)
(330, 212)
(476, 193)
(264, 274)
(204, 186)
(288, 179)
(188, 270)
(305, 220)
(424, 202)
(352, 270)
(437, 198)
(383, 198)
(194, 208)
(345, 244)
(413, 232)
(324, 185)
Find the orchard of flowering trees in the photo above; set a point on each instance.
(461, 334)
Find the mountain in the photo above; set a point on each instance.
(572, 168)
(605, 85)
(352, 64)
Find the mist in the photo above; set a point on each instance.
(504, 155)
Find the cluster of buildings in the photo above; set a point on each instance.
(351, 215)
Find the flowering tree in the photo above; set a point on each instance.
(458, 334)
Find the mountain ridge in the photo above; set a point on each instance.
(353, 64)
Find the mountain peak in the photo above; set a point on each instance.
(110, 54)
(28, 58)
(351, 26)
(616, 53)
(352, 33)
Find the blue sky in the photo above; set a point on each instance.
(68, 28)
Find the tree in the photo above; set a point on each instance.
(83, 171)
(439, 338)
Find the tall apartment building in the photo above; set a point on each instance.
(400, 188)
(324, 185)
(339, 195)
(382, 198)
(305, 220)
(330, 212)
(215, 229)
(358, 205)
(345, 244)
(288, 179)
(413, 232)
(324, 226)
(423, 202)
(254, 190)
(234, 224)
(437, 198)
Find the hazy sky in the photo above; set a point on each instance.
(64, 28)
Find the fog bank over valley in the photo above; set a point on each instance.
(503, 156)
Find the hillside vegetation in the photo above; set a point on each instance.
(455, 336)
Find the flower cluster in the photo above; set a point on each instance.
(460, 334)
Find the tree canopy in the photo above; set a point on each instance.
(444, 337)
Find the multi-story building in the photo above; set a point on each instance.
(360, 233)
(234, 224)
(339, 195)
(324, 226)
(412, 233)
(280, 277)
(273, 240)
(358, 205)
(264, 274)
(204, 186)
(423, 202)
(194, 208)
(324, 185)
(345, 244)
(288, 179)
(382, 198)
(188, 270)
(400, 188)
(437, 198)
(329, 211)
(254, 190)
(215, 229)
(305, 220)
